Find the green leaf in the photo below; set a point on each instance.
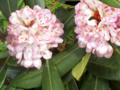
(3, 54)
(3, 46)
(53, 5)
(35, 2)
(3, 50)
(3, 87)
(70, 83)
(28, 79)
(113, 3)
(3, 26)
(67, 17)
(64, 62)
(12, 88)
(51, 79)
(106, 68)
(79, 69)
(3, 73)
(8, 6)
(20, 4)
(94, 83)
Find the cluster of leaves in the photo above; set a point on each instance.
(70, 68)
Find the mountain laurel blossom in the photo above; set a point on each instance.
(97, 25)
(31, 35)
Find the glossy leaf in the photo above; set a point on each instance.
(51, 79)
(28, 79)
(106, 68)
(35, 2)
(8, 6)
(94, 83)
(79, 69)
(113, 3)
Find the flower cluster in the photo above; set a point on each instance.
(31, 35)
(96, 25)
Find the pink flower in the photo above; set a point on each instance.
(31, 35)
(96, 25)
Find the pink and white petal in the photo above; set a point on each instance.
(37, 63)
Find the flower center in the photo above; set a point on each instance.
(29, 23)
(96, 16)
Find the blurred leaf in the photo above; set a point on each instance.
(94, 83)
(67, 17)
(3, 50)
(28, 79)
(3, 88)
(64, 62)
(8, 6)
(113, 3)
(63, 1)
(3, 73)
(106, 68)
(12, 72)
(70, 83)
(51, 79)
(35, 2)
(12, 88)
(3, 46)
(115, 85)
(3, 23)
(79, 69)
(53, 5)
(3, 54)
(20, 4)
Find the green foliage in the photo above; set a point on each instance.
(35, 2)
(94, 83)
(8, 6)
(113, 3)
(30, 78)
(3, 73)
(106, 68)
(79, 69)
(3, 50)
(51, 79)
